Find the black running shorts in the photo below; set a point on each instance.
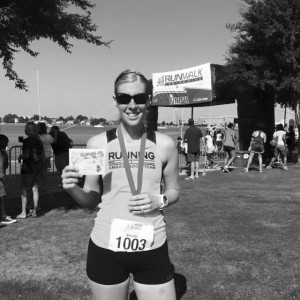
(107, 267)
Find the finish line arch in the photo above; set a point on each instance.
(250, 111)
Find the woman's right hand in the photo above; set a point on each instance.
(70, 177)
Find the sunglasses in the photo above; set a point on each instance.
(138, 98)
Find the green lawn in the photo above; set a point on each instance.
(231, 236)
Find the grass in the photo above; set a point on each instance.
(231, 236)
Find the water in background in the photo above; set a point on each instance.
(80, 134)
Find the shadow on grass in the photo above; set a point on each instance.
(48, 201)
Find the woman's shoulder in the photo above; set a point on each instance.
(163, 139)
(165, 146)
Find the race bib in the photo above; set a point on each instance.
(130, 236)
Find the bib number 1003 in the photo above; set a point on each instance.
(131, 244)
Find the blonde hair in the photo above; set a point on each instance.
(130, 75)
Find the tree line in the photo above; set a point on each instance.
(80, 119)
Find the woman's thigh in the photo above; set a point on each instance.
(164, 291)
(109, 292)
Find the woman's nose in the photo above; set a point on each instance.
(132, 103)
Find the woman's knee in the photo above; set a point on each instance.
(35, 189)
(165, 291)
(108, 292)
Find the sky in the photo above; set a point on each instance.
(148, 36)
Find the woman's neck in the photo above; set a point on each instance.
(133, 133)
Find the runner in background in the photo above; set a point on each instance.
(229, 145)
(257, 142)
(129, 234)
(219, 139)
(280, 148)
(209, 148)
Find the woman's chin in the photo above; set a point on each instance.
(132, 120)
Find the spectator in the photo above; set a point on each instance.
(209, 148)
(219, 138)
(5, 219)
(192, 137)
(280, 148)
(229, 145)
(257, 146)
(61, 145)
(290, 138)
(47, 140)
(32, 158)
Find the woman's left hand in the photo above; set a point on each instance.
(144, 203)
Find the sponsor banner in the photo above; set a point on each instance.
(182, 87)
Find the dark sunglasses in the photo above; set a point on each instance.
(138, 98)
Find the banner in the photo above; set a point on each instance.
(190, 86)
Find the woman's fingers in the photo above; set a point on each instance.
(143, 203)
(70, 177)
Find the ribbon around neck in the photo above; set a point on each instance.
(134, 191)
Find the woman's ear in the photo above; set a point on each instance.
(115, 100)
(149, 101)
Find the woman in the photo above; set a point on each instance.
(219, 138)
(256, 146)
(229, 145)
(209, 148)
(61, 145)
(129, 233)
(280, 148)
(47, 140)
(32, 158)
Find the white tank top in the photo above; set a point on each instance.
(116, 189)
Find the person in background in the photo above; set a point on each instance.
(61, 145)
(229, 145)
(209, 148)
(291, 138)
(47, 140)
(5, 219)
(257, 143)
(280, 148)
(219, 138)
(32, 159)
(192, 137)
(129, 234)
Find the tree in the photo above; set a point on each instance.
(69, 118)
(61, 119)
(80, 118)
(35, 118)
(22, 22)
(10, 118)
(266, 52)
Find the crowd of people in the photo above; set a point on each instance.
(37, 148)
(213, 141)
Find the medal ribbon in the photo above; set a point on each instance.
(134, 191)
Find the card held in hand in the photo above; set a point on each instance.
(88, 161)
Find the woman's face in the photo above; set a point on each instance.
(132, 114)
